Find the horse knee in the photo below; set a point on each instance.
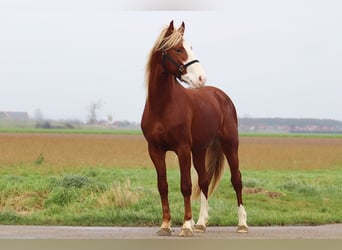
(186, 189)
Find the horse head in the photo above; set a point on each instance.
(179, 59)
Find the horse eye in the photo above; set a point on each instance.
(178, 51)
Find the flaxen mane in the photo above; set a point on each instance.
(163, 43)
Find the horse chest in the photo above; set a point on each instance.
(158, 130)
(164, 134)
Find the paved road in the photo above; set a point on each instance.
(333, 231)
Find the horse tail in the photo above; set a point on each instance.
(214, 164)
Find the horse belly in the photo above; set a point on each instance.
(204, 132)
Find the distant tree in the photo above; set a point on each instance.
(38, 115)
(92, 110)
(109, 118)
(42, 124)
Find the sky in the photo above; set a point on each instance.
(273, 58)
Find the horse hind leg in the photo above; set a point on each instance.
(242, 215)
(231, 152)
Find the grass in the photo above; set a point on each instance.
(72, 179)
(299, 197)
(129, 197)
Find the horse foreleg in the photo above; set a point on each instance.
(158, 159)
(184, 156)
(203, 182)
(201, 225)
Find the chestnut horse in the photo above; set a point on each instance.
(197, 123)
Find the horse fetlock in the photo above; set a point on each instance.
(187, 228)
(166, 224)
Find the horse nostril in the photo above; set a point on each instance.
(202, 79)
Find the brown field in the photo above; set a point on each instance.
(64, 151)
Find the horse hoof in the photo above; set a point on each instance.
(242, 229)
(200, 228)
(186, 232)
(164, 232)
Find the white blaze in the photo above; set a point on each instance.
(195, 75)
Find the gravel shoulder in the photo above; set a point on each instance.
(332, 231)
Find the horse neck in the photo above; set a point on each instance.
(160, 89)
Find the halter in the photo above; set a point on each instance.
(180, 67)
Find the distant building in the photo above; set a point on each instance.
(14, 116)
(289, 125)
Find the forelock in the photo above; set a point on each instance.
(166, 43)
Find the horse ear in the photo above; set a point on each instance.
(181, 29)
(170, 29)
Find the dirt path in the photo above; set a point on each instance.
(333, 231)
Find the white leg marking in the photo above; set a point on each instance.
(203, 215)
(242, 225)
(188, 224)
(187, 228)
(202, 222)
(166, 225)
